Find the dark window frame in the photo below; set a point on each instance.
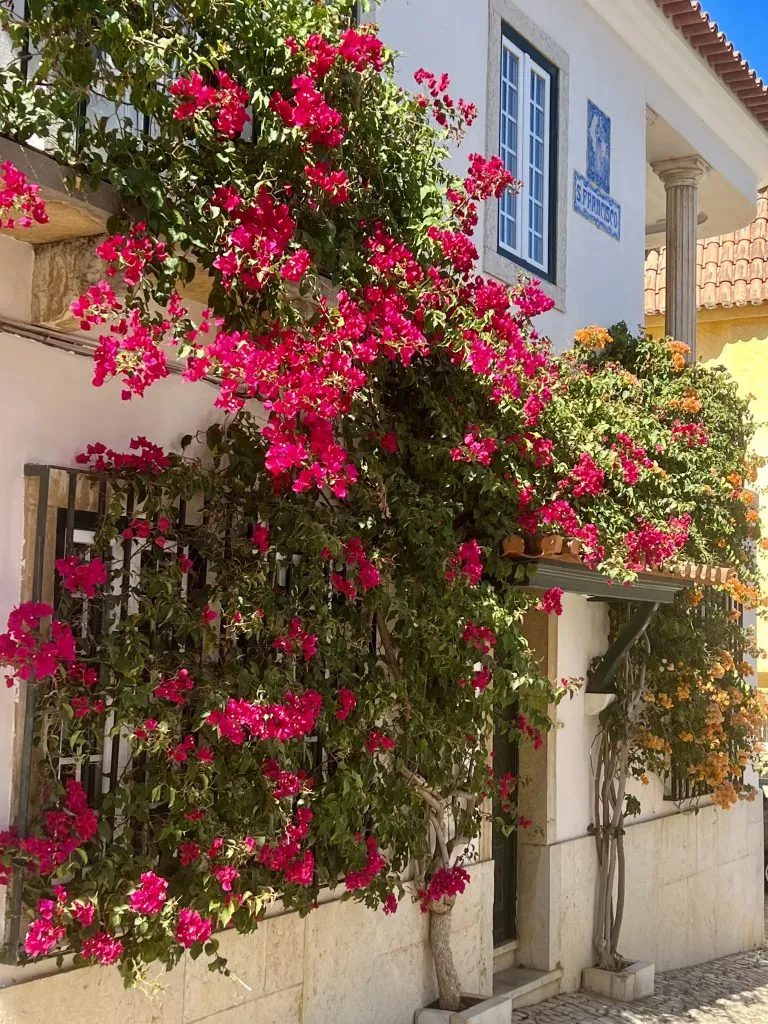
(550, 274)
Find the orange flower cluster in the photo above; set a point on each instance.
(629, 378)
(652, 742)
(690, 402)
(746, 594)
(593, 339)
(725, 795)
(679, 351)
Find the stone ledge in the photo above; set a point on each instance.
(527, 987)
(72, 212)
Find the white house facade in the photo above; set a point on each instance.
(625, 135)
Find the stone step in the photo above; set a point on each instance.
(527, 986)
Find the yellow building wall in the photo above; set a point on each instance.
(737, 339)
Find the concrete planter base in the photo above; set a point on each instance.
(634, 982)
(596, 703)
(482, 1010)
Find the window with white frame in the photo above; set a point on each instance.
(528, 147)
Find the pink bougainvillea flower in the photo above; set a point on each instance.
(468, 562)
(286, 855)
(343, 586)
(226, 875)
(487, 177)
(551, 601)
(228, 101)
(482, 678)
(335, 184)
(479, 637)
(348, 702)
(586, 477)
(42, 937)
(295, 718)
(389, 443)
(143, 457)
(296, 265)
(474, 449)
(19, 197)
(296, 641)
(287, 783)
(188, 853)
(375, 863)
(102, 947)
(260, 537)
(390, 904)
(150, 895)
(378, 741)
(83, 913)
(173, 689)
(26, 653)
(444, 883)
(192, 928)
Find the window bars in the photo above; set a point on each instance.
(63, 509)
(678, 787)
(54, 500)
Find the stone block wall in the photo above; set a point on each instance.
(694, 890)
(343, 964)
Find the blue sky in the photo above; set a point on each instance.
(745, 22)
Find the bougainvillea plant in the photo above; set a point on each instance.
(322, 631)
(685, 706)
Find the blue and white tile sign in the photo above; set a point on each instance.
(598, 147)
(596, 206)
(591, 195)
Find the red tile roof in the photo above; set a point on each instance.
(704, 36)
(731, 270)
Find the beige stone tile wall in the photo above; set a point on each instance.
(694, 893)
(343, 964)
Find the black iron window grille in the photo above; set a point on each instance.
(678, 787)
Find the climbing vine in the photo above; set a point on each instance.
(323, 629)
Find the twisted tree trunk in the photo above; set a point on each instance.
(448, 987)
(610, 785)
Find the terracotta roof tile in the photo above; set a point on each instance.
(705, 37)
(559, 548)
(731, 270)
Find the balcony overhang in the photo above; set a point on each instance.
(723, 206)
(72, 212)
(547, 562)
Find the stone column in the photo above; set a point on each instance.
(681, 179)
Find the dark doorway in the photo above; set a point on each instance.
(504, 847)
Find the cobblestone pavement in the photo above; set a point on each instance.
(733, 990)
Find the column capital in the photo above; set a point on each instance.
(683, 170)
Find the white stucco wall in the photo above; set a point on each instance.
(343, 963)
(582, 635)
(619, 55)
(604, 278)
(694, 880)
(49, 412)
